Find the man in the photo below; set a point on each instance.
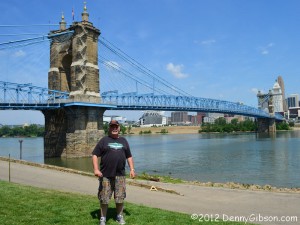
(113, 151)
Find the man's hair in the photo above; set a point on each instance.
(114, 122)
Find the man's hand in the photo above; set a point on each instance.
(98, 173)
(132, 174)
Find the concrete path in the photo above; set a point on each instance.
(225, 204)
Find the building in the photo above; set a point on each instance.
(196, 119)
(152, 118)
(193, 119)
(240, 118)
(277, 97)
(179, 118)
(200, 117)
(293, 101)
(211, 117)
(293, 107)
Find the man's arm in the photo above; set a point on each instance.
(97, 172)
(131, 165)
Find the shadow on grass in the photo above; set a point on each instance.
(111, 213)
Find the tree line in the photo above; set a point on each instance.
(220, 125)
(32, 130)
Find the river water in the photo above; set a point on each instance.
(243, 158)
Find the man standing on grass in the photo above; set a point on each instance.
(113, 151)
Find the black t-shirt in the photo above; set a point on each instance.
(113, 153)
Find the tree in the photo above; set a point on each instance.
(220, 121)
(123, 129)
(234, 121)
(129, 129)
(29, 131)
(105, 128)
(5, 131)
(282, 126)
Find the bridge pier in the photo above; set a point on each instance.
(72, 131)
(266, 125)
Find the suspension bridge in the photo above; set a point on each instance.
(28, 97)
(76, 98)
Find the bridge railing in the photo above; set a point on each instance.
(13, 95)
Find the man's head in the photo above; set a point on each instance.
(114, 129)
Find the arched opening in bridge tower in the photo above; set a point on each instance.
(65, 73)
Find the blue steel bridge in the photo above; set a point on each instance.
(125, 84)
(15, 96)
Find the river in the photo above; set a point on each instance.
(242, 158)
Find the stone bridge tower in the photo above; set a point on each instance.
(266, 101)
(74, 130)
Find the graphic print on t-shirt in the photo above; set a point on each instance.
(115, 145)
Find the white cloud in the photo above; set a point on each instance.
(205, 42)
(19, 53)
(176, 70)
(208, 42)
(112, 65)
(265, 50)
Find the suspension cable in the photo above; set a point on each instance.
(139, 66)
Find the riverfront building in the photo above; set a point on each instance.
(180, 118)
(293, 106)
(211, 117)
(293, 101)
(277, 97)
(152, 118)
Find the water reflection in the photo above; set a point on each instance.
(83, 164)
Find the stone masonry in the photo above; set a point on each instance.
(266, 125)
(73, 131)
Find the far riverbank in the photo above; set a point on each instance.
(174, 129)
(169, 129)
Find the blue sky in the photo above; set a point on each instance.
(222, 49)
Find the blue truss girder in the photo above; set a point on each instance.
(27, 96)
(180, 103)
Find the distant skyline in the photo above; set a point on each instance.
(225, 49)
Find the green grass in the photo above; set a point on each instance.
(29, 205)
(165, 179)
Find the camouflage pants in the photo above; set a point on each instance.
(108, 185)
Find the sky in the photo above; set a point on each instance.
(221, 49)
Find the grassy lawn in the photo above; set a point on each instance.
(29, 205)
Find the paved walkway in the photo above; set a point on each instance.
(219, 202)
